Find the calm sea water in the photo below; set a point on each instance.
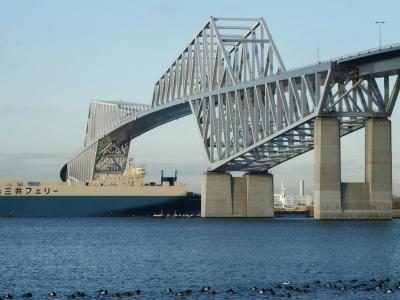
(121, 254)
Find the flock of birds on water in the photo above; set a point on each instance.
(283, 290)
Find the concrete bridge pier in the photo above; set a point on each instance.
(225, 196)
(371, 199)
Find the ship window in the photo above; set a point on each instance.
(33, 183)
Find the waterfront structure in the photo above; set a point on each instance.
(282, 200)
(253, 114)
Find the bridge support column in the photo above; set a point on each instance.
(225, 196)
(327, 204)
(378, 165)
(371, 199)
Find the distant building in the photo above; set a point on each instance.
(301, 188)
(282, 200)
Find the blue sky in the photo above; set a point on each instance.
(56, 56)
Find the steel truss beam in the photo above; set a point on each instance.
(111, 158)
(220, 55)
(258, 126)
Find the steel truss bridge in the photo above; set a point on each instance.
(252, 113)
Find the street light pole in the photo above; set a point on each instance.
(380, 32)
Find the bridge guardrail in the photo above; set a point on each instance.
(347, 56)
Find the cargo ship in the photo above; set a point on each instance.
(125, 194)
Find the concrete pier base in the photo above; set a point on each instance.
(260, 195)
(225, 196)
(371, 199)
(216, 195)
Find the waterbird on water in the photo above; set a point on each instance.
(272, 292)
(102, 292)
(136, 292)
(184, 293)
(127, 294)
(289, 287)
(385, 285)
(77, 294)
(27, 295)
